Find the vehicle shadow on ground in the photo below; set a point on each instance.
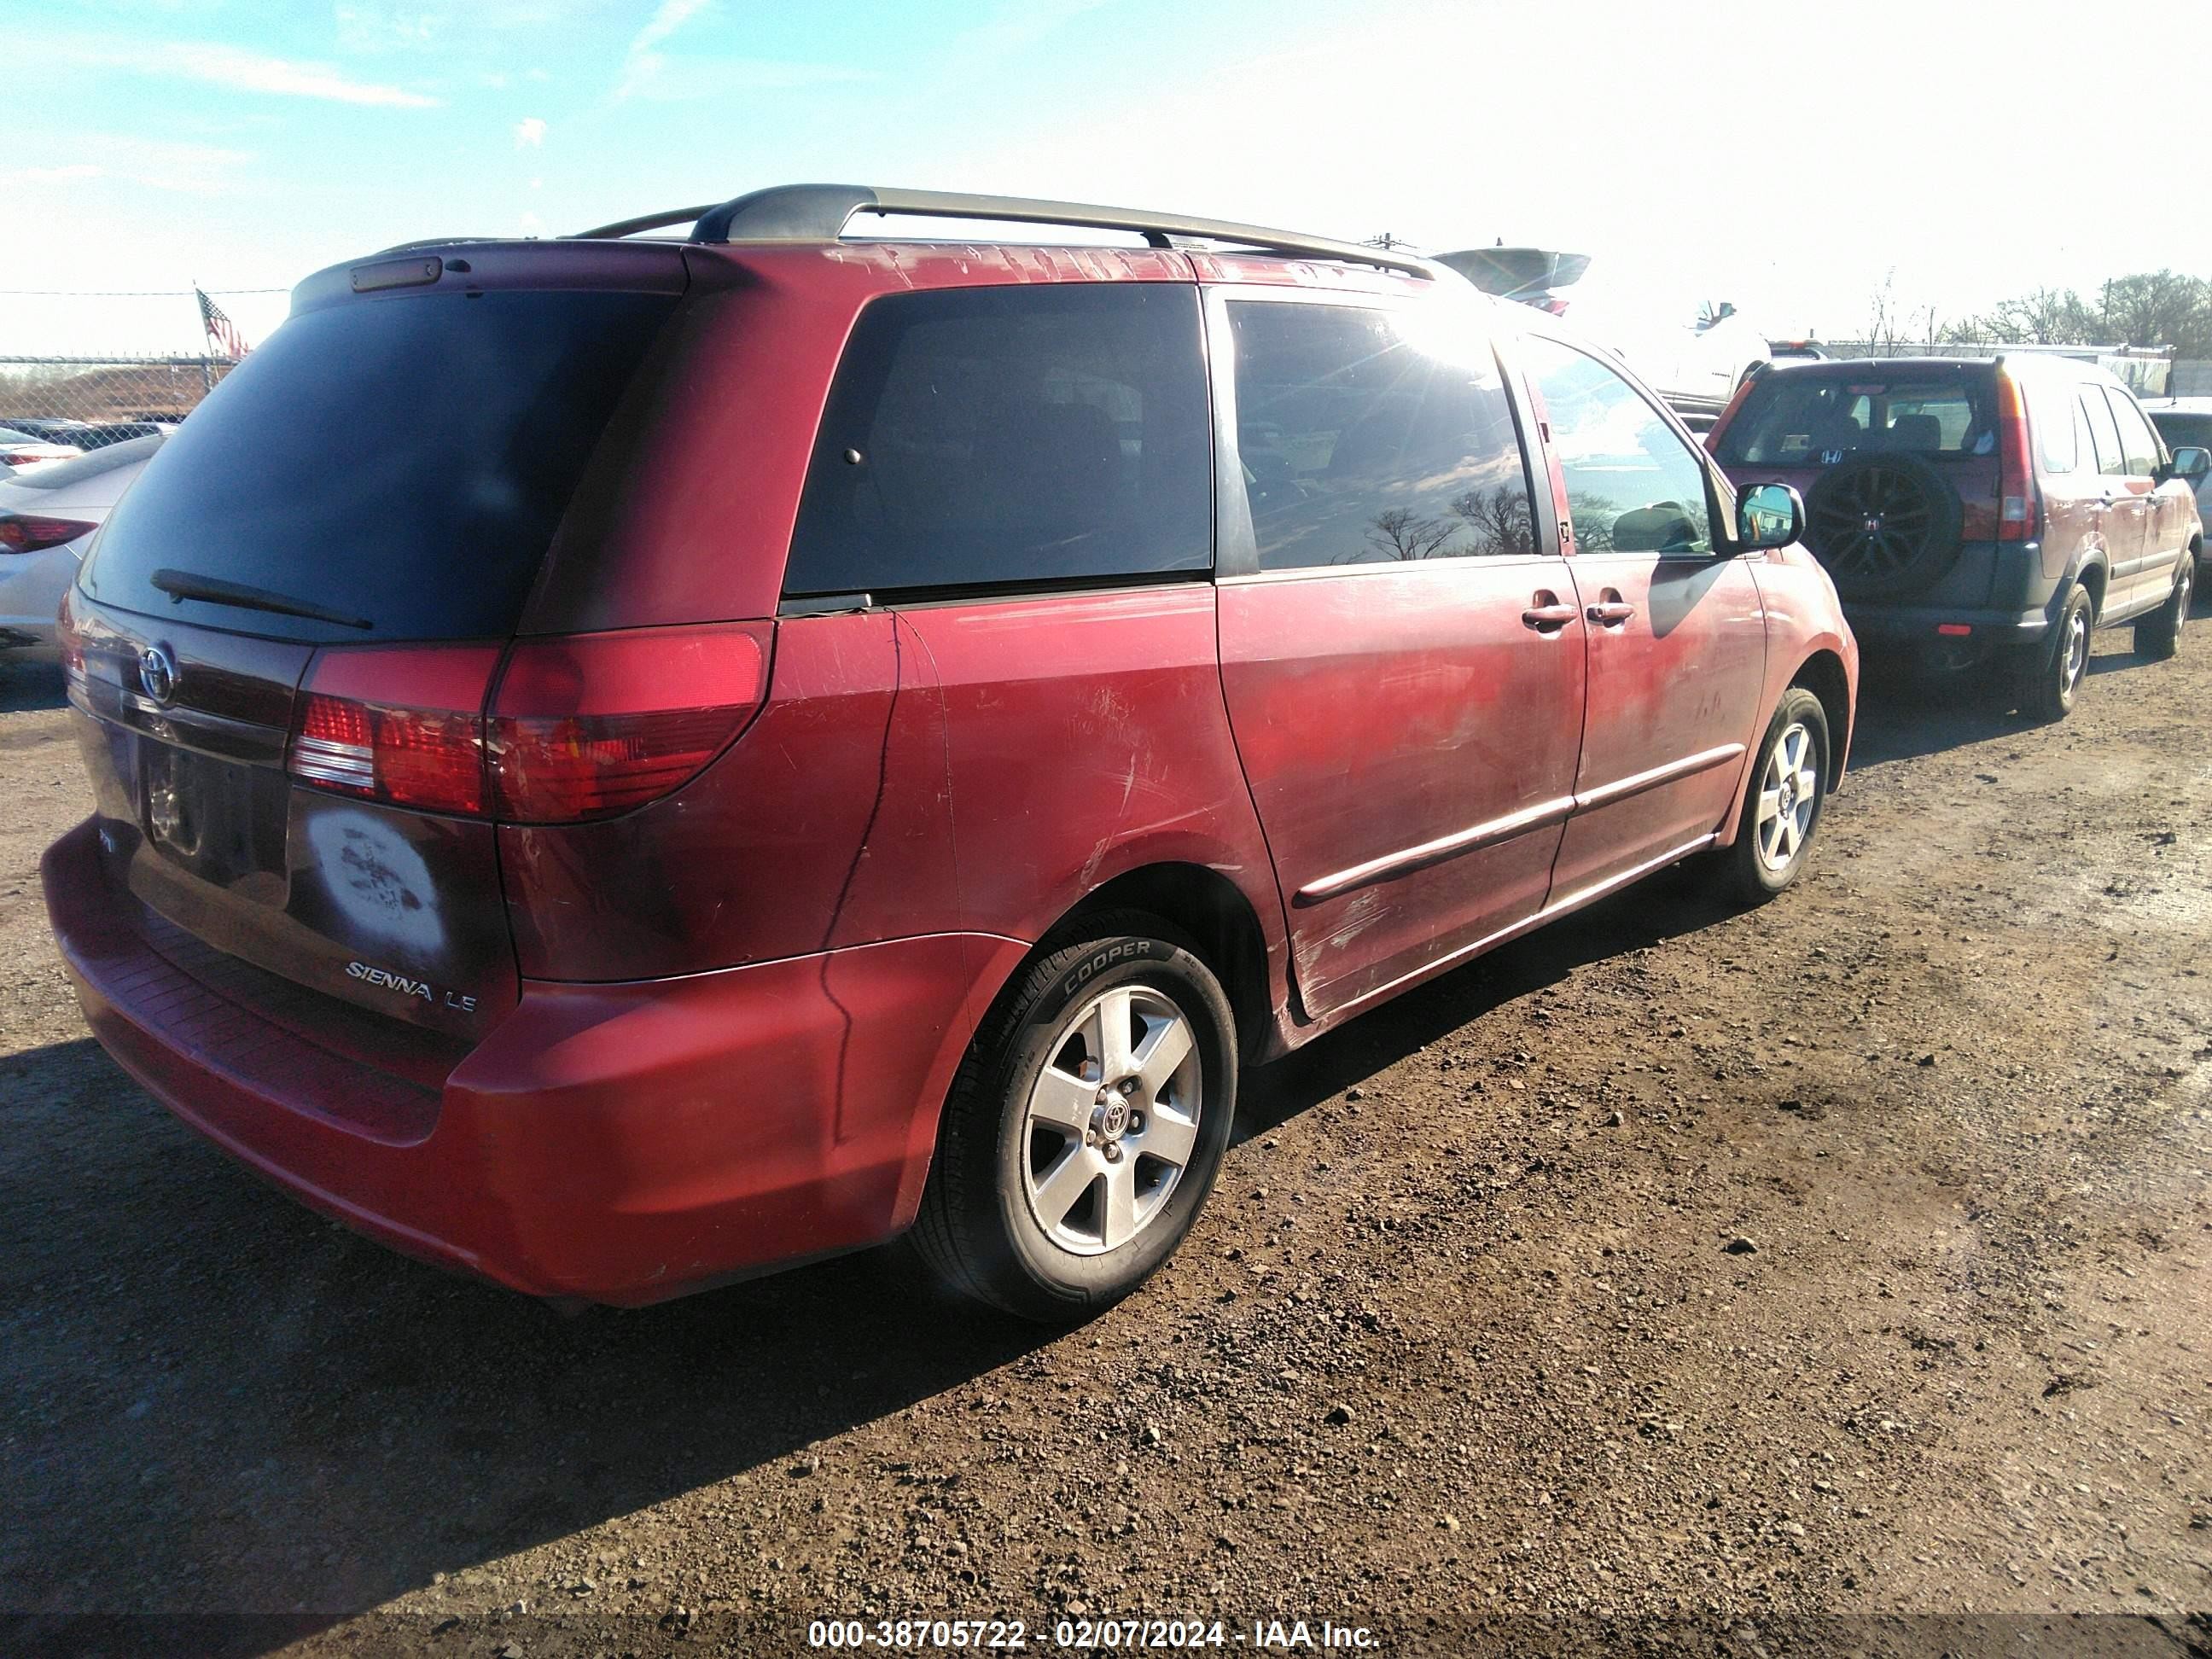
(354, 1423)
(26, 686)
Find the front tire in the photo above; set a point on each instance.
(1087, 1125)
(1782, 808)
(2158, 636)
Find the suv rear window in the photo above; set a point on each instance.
(401, 461)
(996, 437)
(1797, 419)
(2178, 428)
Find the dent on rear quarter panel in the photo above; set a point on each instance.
(1086, 737)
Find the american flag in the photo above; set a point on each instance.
(221, 332)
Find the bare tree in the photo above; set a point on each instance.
(1500, 518)
(1399, 533)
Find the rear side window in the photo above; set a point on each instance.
(1816, 420)
(2057, 437)
(1360, 445)
(2104, 433)
(400, 462)
(1003, 437)
(2139, 446)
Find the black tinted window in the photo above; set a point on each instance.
(992, 437)
(2177, 429)
(1360, 445)
(1797, 419)
(404, 461)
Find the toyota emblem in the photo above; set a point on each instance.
(157, 671)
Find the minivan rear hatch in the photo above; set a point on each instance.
(350, 525)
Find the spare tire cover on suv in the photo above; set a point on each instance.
(1883, 525)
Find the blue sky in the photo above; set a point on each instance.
(1696, 153)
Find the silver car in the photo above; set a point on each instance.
(47, 515)
(2188, 421)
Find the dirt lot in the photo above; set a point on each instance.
(1849, 1257)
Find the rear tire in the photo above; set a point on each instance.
(1782, 807)
(1087, 1125)
(2158, 636)
(2051, 675)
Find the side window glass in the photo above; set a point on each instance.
(2056, 436)
(2104, 434)
(1632, 485)
(1360, 445)
(2138, 443)
(1000, 437)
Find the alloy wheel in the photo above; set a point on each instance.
(1789, 795)
(1112, 1120)
(2074, 653)
(1873, 525)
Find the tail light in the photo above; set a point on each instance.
(398, 723)
(2019, 504)
(29, 532)
(591, 724)
(1553, 305)
(579, 727)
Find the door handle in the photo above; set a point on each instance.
(1611, 614)
(1548, 619)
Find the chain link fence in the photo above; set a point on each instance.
(55, 398)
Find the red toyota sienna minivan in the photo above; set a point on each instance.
(622, 763)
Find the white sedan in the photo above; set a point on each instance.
(47, 515)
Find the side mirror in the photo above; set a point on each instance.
(1768, 515)
(2190, 461)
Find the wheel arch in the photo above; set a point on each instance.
(1823, 675)
(1216, 914)
(2092, 579)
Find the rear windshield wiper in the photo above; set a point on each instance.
(183, 584)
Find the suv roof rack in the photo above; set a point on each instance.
(819, 212)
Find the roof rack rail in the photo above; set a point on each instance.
(819, 212)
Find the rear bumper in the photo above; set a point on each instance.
(1894, 627)
(617, 1143)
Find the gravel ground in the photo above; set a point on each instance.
(1742, 1277)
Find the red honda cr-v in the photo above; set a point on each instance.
(624, 762)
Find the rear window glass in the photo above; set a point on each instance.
(1006, 437)
(1795, 419)
(2183, 429)
(1360, 446)
(404, 462)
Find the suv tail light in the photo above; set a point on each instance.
(579, 727)
(30, 532)
(2019, 510)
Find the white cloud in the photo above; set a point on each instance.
(54, 175)
(643, 63)
(529, 133)
(154, 163)
(229, 66)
